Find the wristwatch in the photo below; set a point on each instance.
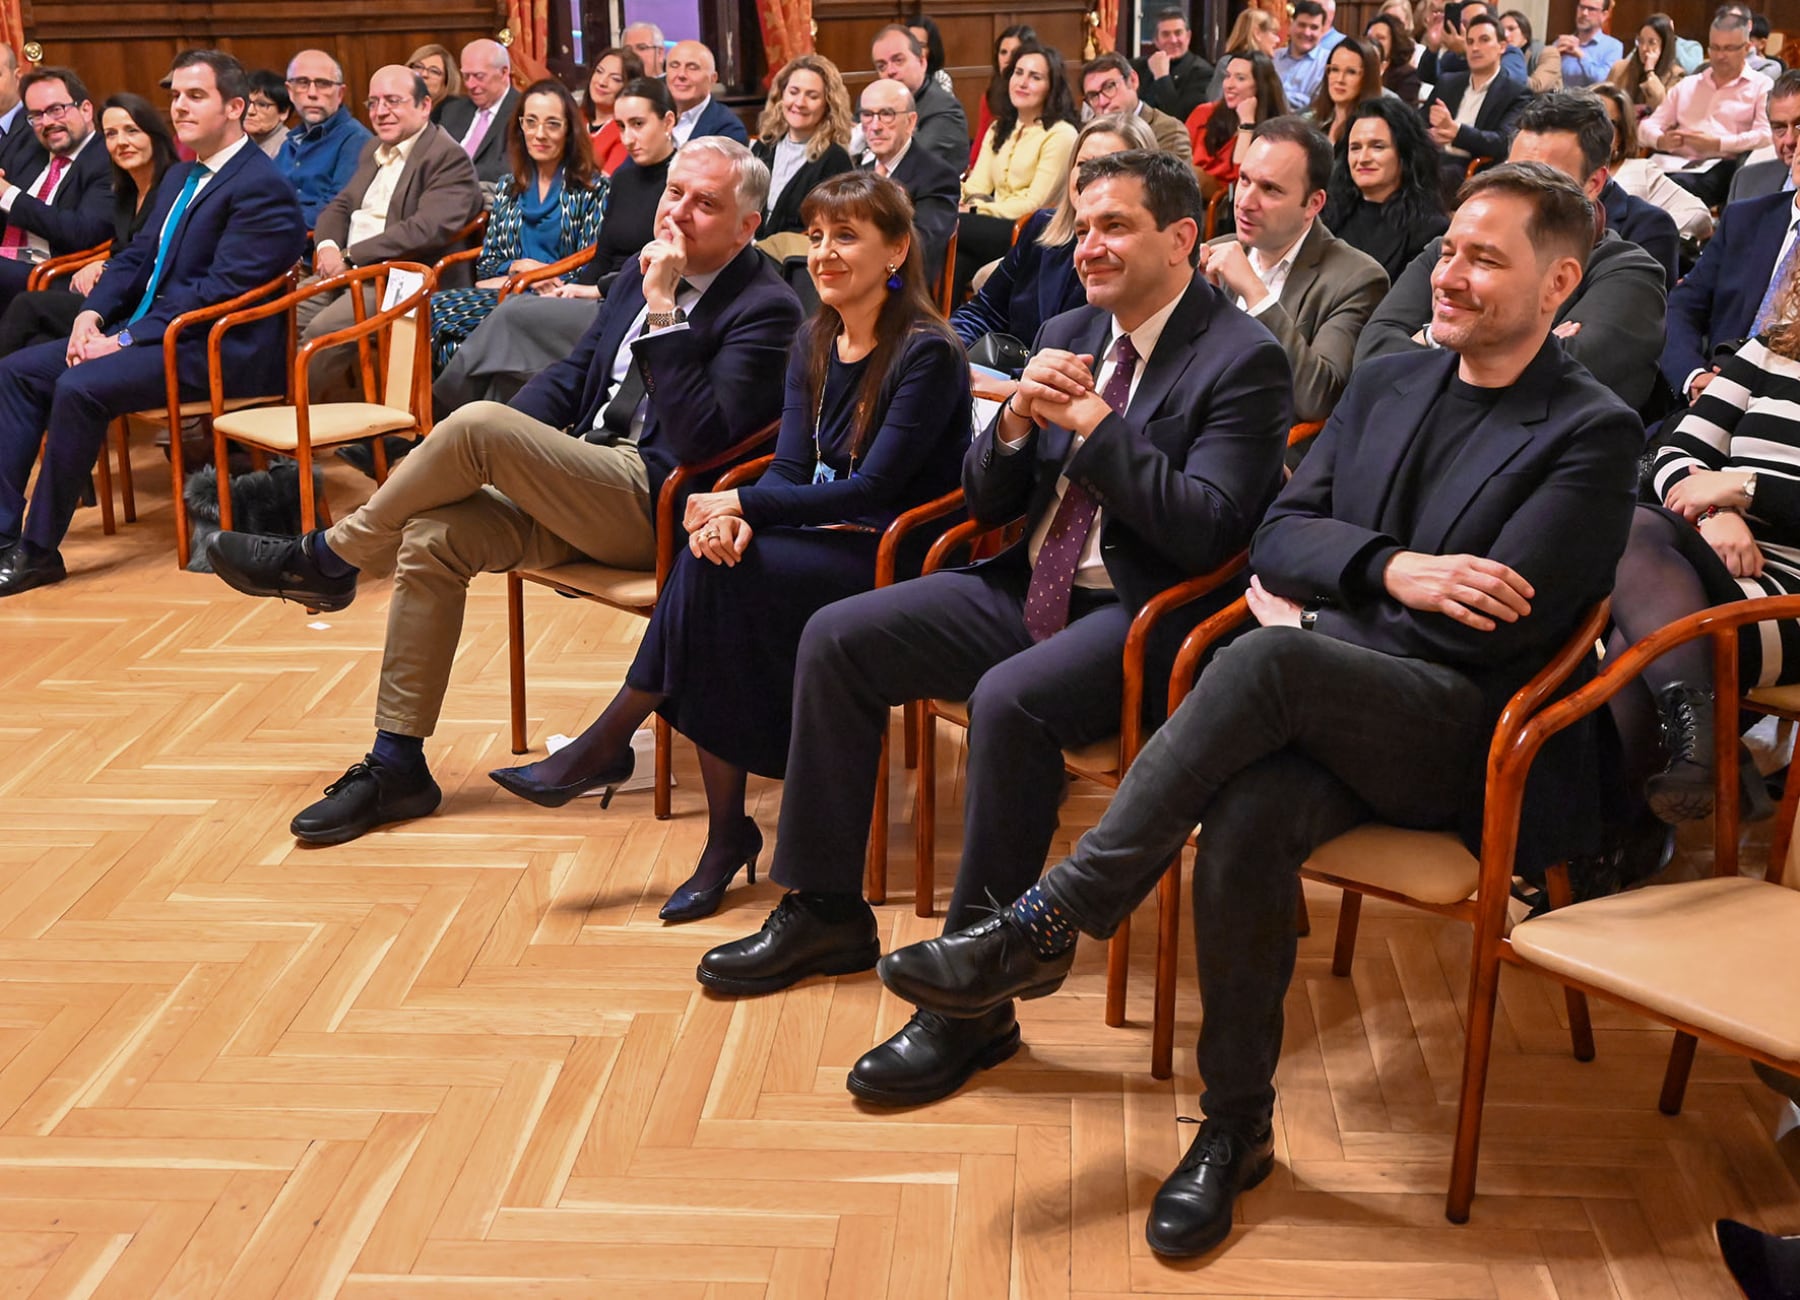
(1309, 618)
(123, 338)
(662, 320)
(1749, 490)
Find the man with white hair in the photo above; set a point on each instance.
(646, 41)
(478, 121)
(674, 370)
(689, 75)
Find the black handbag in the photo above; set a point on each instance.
(1000, 352)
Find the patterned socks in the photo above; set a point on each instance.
(328, 561)
(1051, 930)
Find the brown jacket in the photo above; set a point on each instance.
(436, 196)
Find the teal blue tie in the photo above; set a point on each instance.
(168, 237)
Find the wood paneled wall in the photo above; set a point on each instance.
(128, 45)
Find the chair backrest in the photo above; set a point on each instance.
(400, 381)
(946, 285)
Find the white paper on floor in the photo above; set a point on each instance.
(320, 627)
(643, 775)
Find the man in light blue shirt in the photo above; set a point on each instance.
(1329, 41)
(1588, 55)
(1302, 63)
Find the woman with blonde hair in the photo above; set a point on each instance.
(436, 67)
(802, 137)
(1255, 30)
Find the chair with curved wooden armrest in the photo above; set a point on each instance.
(1430, 870)
(393, 347)
(1104, 762)
(631, 590)
(1019, 226)
(1219, 199)
(1301, 432)
(52, 269)
(523, 280)
(465, 248)
(945, 289)
(1714, 959)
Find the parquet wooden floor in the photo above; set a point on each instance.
(462, 1058)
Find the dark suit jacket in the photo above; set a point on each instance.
(490, 155)
(709, 385)
(1031, 284)
(1182, 91)
(243, 229)
(935, 189)
(1545, 486)
(1645, 225)
(716, 119)
(80, 213)
(1717, 300)
(1620, 304)
(1490, 136)
(1181, 478)
(21, 152)
(1756, 180)
(943, 129)
(784, 214)
(436, 196)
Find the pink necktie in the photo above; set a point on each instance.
(15, 235)
(1053, 576)
(476, 133)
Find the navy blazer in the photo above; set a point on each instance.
(21, 152)
(709, 385)
(935, 189)
(1644, 224)
(243, 229)
(1490, 136)
(1717, 301)
(490, 158)
(1545, 485)
(79, 215)
(1183, 476)
(716, 119)
(1031, 284)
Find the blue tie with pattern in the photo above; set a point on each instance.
(1782, 273)
(168, 237)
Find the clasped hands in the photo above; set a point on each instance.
(87, 342)
(1058, 387)
(1711, 500)
(716, 531)
(1471, 589)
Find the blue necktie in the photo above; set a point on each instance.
(1767, 307)
(168, 237)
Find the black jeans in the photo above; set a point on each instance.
(1289, 739)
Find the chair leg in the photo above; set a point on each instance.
(1349, 914)
(222, 478)
(1118, 962)
(1478, 1046)
(378, 449)
(127, 491)
(178, 482)
(1168, 950)
(103, 492)
(665, 768)
(1302, 918)
(1581, 1026)
(877, 864)
(925, 815)
(909, 716)
(1783, 833)
(515, 656)
(1675, 1079)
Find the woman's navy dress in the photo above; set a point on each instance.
(722, 642)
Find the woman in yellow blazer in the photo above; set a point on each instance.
(1023, 159)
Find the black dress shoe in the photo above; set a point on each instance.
(969, 973)
(932, 1056)
(368, 795)
(1765, 1267)
(284, 567)
(796, 941)
(1192, 1210)
(23, 567)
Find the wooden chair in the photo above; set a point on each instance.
(1713, 959)
(631, 590)
(42, 276)
(946, 285)
(394, 352)
(1213, 207)
(1429, 870)
(1104, 762)
(553, 271)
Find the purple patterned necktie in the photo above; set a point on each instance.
(1053, 576)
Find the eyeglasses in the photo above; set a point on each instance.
(262, 105)
(550, 124)
(1716, 48)
(55, 113)
(425, 69)
(393, 103)
(320, 84)
(885, 116)
(1106, 90)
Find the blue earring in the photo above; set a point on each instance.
(894, 281)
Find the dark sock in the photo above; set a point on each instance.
(834, 907)
(398, 753)
(1050, 929)
(330, 563)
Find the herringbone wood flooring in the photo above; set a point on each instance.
(463, 1059)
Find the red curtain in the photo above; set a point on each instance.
(529, 23)
(12, 28)
(1104, 25)
(786, 31)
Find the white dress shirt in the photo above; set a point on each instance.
(371, 215)
(697, 285)
(1273, 274)
(685, 122)
(1470, 108)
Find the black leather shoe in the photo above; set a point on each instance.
(368, 795)
(1192, 1210)
(23, 567)
(969, 973)
(278, 566)
(1765, 1267)
(794, 942)
(522, 781)
(932, 1056)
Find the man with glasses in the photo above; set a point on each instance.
(646, 41)
(1588, 54)
(1108, 85)
(889, 121)
(942, 129)
(21, 154)
(67, 206)
(320, 156)
(478, 120)
(1759, 176)
(1713, 118)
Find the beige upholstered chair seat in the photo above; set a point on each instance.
(204, 407)
(1098, 759)
(624, 588)
(1431, 866)
(1717, 954)
(276, 428)
(1783, 699)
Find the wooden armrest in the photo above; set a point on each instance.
(1301, 432)
(199, 316)
(554, 271)
(676, 485)
(1137, 643)
(887, 555)
(454, 259)
(969, 533)
(52, 269)
(1195, 645)
(748, 472)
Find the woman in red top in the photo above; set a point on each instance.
(1251, 94)
(612, 70)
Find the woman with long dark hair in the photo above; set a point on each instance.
(1251, 93)
(1651, 68)
(876, 421)
(1352, 78)
(1399, 73)
(993, 99)
(802, 138)
(1384, 197)
(614, 69)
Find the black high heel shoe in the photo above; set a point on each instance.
(520, 781)
(690, 904)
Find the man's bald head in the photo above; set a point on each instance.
(486, 70)
(690, 72)
(315, 83)
(889, 117)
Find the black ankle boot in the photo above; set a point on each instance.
(1683, 790)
